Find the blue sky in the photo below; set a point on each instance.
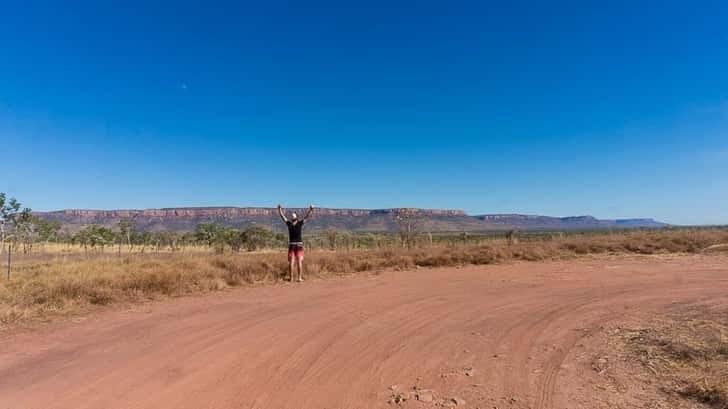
(556, 108)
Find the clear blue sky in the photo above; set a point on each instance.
(615, 109)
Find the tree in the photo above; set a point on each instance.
(409, 221)
(144, 238)
(331, 233)
(161, 239)
(24, 225)
(208, 233)
(9, 210)
(186, 239)
(256, 237)
(127, 230)
(367, 240)
(511, 237)
(233, 238)
(47, 231)
(172, 240)
(94, 235)
(464, 236)
(344, 239)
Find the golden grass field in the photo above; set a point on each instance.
(58, 280)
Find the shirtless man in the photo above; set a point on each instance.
(295, 240)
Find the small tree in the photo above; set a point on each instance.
(233, 238)
(24, 225)
(464, 237)
(95, 236)
(331, 234)
(144, 239)
(208, 233)
(367, 240)
(127, 230)
(173, 240)
(344, 239)
(161, 239)
(511, 237)
(409, 222)
(47, 231)
(186, 239)
(256, 237)
(9, 210)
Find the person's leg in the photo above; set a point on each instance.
(291, 261)
(300, 268)
(299, 260)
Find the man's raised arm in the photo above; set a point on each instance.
(280, 213)
(309, 214)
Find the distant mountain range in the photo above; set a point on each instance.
(434, 220)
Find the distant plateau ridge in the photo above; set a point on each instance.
(434, 220)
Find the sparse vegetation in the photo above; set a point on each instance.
(409, 222)
(73, 273)
(688, 354)
(56, 283)
(16, 225)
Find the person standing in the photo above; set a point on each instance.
(295, 240)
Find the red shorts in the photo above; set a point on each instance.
(295, 251)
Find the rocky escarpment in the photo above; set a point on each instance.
(434, 220)
(186, 219)
(197, 212)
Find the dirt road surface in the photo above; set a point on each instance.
(492, 336)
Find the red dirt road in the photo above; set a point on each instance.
(501, 336)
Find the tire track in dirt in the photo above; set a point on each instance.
(650, 298)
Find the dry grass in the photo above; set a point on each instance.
(59, 249)
(50, 285)
(688, 354)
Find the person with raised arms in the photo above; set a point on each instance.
(295, 240)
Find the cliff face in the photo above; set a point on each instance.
(197, 212)
(435, 220)
(186, 219)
